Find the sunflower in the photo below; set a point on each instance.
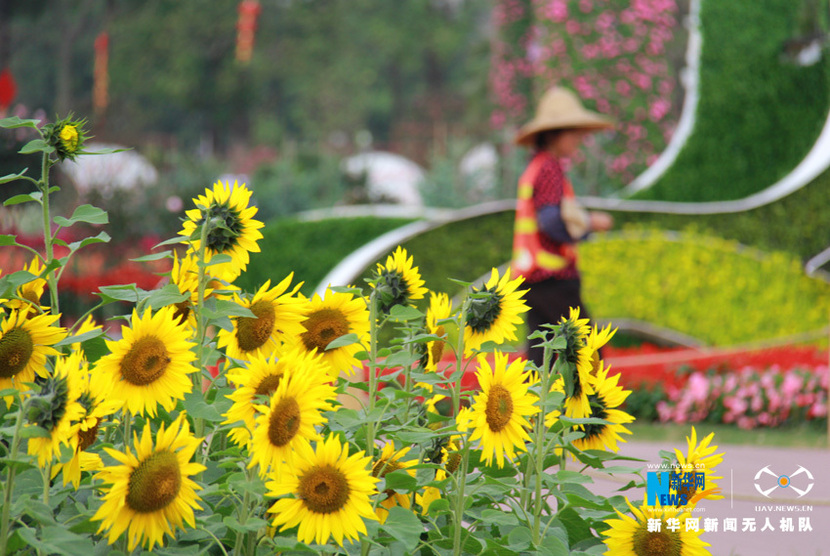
(493, 312)
(500, 411)
(152, 492)
(29, 294)
(330, 317)
(150, 363)
(398, 282)
(24, 345)
(296, 407)
(650, 533)
(278, 314)
(608, 396)
(56, 409)
(431, 493)
(232, 230)
(700, 458)
(185, 275)
(595, 340)
(576, 365)
(261, 378)
(440, 308)
(331, 493)
(97, 402)
(388, 461)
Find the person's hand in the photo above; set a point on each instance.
(601, 221)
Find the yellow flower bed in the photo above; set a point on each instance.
(715, 290)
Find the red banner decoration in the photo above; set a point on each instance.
(245, 28)
(100, 84)
(8, 90)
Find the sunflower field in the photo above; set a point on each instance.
(219, 421)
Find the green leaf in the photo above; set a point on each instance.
(168, 295)
(497, 517)
(344, 340)
(197, 407)
(14, 122)
(252, 524)
(219, 258)
(6, 240)
(577, 528)
(553, 546)
(18, 199)
(79, 338)
(106, 150)
(401, 480)
(39, 511)
(123, 292)
(438, 507)
(405, 313)
(58, 540)
(404, 526)
(36, 146)
(153, 257)
(102, 237)
(34, 431)
(519, 538)
(84, 213)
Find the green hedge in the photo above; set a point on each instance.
(758, 114)
(792, 224)
(309, 249)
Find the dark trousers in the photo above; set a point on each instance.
(550, 300)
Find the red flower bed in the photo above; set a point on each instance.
(649, 364)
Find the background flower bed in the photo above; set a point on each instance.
(621, 57)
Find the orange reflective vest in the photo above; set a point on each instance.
(528, 253)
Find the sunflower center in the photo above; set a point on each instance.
(225, 227)
(437, 347)
(499, 407)
(453, 462)
(658, 543)
(145, 362)
(323, 327)
(484, 309)
(324, 489)
(284, 422)
(155, 483)
(16, 348)
(86, 438)
(252, 333)
(268, 385)
(182, 311)
(384, 466)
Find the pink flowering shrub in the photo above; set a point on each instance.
(614, 54)
(749, 397)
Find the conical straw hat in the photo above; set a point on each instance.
(561, 109)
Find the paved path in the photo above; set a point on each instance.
(743, 502)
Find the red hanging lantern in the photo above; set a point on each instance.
(100, 84)
(245, 28)
(8, 90)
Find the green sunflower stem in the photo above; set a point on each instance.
(539, 445)
(460, 501)
(48, 240)
(198, 422)
(373, 372)
(47, 482)
(9, 486)
(455, 387)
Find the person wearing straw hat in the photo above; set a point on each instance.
(549, 221)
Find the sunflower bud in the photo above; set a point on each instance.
(66, 136)
(48, 407)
